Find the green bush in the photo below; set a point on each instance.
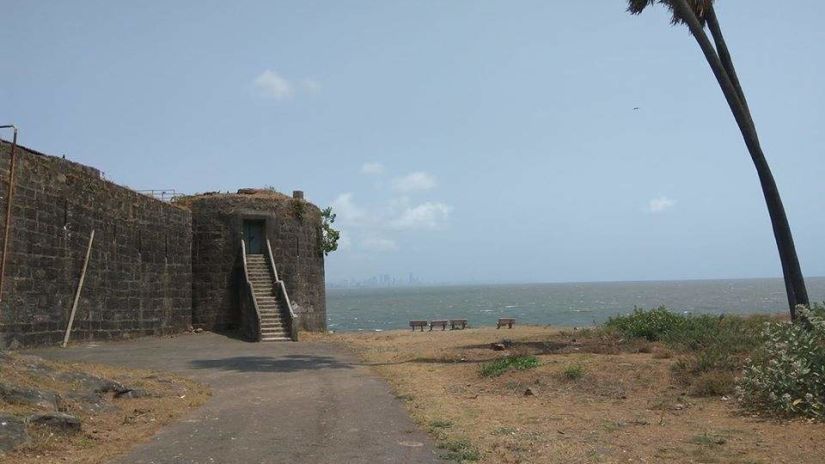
(690, 332)
(502, 365)
(651, 325)
(574, 372)
(714, 347)
(787, 374)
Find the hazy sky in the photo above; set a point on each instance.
(458, 140)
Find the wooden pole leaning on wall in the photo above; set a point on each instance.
(9, 196)
(79, 288)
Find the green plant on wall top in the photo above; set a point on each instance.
(298, 209)
(329, 235)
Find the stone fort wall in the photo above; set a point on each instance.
(138, 280)
(155, 267)
(292, 227)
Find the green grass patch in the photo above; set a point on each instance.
(709, 440)
(459, 450)
(500, 366)
(499, 431)
(573, 372)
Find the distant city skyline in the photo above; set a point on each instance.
(380, 280)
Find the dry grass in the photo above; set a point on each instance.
(591, 400)
(105, 433)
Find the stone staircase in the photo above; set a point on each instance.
(274, 324)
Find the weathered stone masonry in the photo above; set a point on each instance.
(292, 227)
(155, 267)
(138, 280)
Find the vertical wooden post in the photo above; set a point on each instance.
(79, 288)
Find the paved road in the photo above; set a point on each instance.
(307, 402)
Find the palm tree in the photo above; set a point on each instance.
(697, 14)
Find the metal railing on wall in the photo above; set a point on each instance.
(161, 194)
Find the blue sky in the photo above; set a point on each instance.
(460, 141)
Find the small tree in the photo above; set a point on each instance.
(697, 14)
(329, 235)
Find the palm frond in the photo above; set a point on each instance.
(637, 6)
(699, 7)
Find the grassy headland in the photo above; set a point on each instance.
(649, 387)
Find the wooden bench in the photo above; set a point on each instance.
(443, 324)
(418, 324)
(505, 321)
(455, 323)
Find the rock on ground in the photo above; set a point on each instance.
(58, 420)
(42, 399)
(12, 432)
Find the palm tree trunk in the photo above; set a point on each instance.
(724, 55)
(794, 281)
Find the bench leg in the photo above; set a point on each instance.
(510, 326)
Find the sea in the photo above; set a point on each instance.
(558, 304)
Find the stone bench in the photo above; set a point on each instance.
(505, 321)
(442, 323)
(456, 323)
(418, 324)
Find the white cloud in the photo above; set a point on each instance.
(424, 216)
(379, 244)
(414, 182)
(372, 169)
(348, 212)
(311, 86)
(273, 85)
(660, 205)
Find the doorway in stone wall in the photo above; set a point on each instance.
(254, 236)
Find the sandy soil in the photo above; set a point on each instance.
(625, 408)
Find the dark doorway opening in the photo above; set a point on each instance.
(254, 235)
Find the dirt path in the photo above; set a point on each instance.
(307, 402)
